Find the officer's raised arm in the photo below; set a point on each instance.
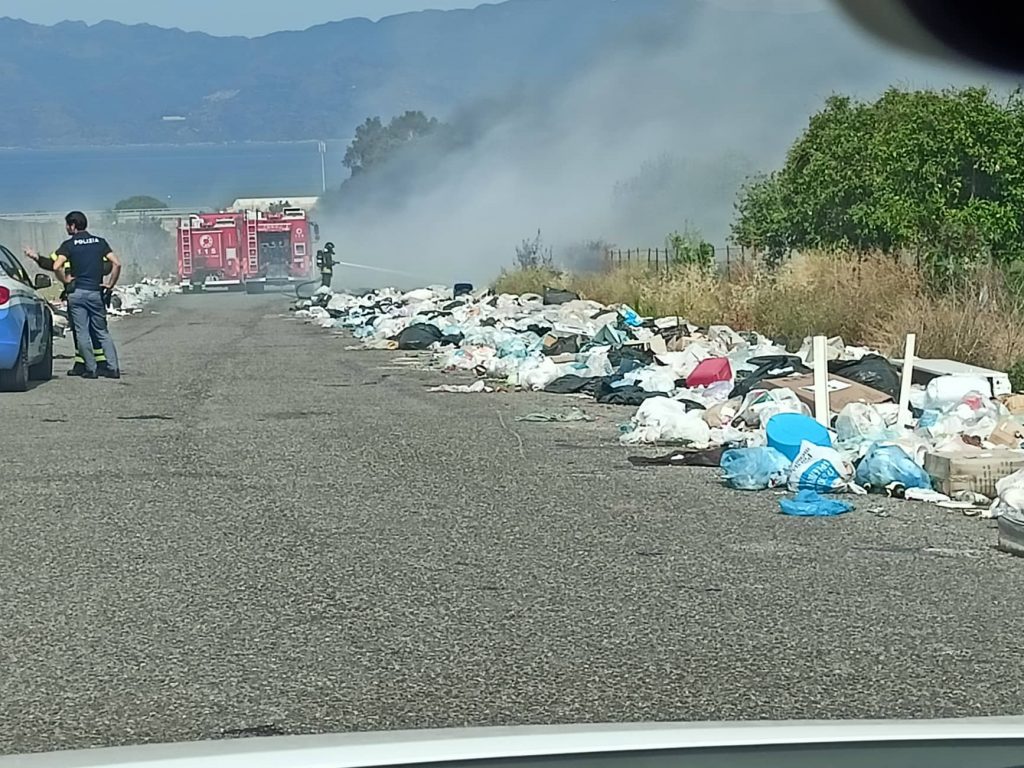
(43, 262)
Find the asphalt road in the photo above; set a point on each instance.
(257, 531)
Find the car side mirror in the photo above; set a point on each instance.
(42, 281)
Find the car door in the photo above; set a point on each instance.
(35, 306)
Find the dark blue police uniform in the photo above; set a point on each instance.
(88, 312)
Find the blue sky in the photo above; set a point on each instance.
(218, 17)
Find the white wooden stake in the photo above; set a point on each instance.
(819, 348)
(903, 418)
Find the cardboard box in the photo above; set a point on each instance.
(952, 471)
(842, 391)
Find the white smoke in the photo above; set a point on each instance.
(707, 100)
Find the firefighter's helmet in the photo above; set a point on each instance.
(329, 247)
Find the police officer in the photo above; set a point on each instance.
(87, 294)
(46, 263)
(325, 261)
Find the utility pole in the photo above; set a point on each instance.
(323, 165)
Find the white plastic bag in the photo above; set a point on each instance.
(820, 469)
(653, 378)
(1009, 497)
(660, 420)
(860, 423)
(944, 391)
(536, 373)
(761, 404)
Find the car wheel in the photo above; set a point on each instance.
(43, 370)
(16, 379)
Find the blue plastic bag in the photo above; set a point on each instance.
(813, 504)
(887, 464)
(754, 469)
(630, 317)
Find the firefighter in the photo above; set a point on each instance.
(46, 263)
(325, 261)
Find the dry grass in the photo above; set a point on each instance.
(533, 280)
(870, 301)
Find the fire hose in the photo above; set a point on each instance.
(302, 291)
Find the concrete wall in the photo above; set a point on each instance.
(146, 248)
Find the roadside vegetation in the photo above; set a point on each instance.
(902, 215)
(871, 300)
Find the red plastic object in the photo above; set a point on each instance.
(709, 371)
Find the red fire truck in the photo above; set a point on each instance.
(245, 250)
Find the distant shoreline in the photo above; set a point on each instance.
(164, 145)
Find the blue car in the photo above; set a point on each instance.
(26, 326)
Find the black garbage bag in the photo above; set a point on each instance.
(572, 385)
(462, 289)
(872, 371)
(768, 367)
(627, 396)
(418, 337)
(562, 345)
(540, 330)
(628, 364)
(618, 355)
(631, 394)
(709, 457)
(559, 296)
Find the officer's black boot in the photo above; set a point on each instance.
(78, 369)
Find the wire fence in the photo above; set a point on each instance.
(725, 257)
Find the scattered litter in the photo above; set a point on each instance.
(661, 420)
(732, 399)
(755, 469)
(810, 503)
(477, 386)
(709, 457)
(819, 468)
(885, 465)
(127, 300)
(573, 414)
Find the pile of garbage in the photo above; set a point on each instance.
(127, 300)
(736, 400)
(131, 299)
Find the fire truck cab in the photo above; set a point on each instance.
(245, 250)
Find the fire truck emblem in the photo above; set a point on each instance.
(206, 241)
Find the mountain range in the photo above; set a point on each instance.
(108, 83)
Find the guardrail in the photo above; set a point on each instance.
(157, 213)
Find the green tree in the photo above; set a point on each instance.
(761, 219)
(140, 203)
(375, 143)
(689, 248)
(937, 173)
